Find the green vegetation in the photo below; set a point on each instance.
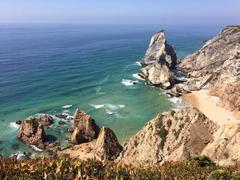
(68, 168)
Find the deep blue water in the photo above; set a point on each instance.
(44, 67)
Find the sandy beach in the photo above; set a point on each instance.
(208, 105)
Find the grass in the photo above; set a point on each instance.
(68, 168)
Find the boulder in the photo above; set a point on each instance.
(32, 132)
(107, 146)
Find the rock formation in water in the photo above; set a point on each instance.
(32, 132)
(84, 128)
(107, 146)
(176, 136)
(158, 62)
(216, 63)
(45, 120)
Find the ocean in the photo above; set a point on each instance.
(56, 68)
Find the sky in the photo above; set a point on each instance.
(121, 11)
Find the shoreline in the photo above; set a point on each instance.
(208, 105)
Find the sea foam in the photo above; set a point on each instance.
(67, 106)
(128, 82)
(36, 148)
(175, 100)
(13, 125)
(138, 63)
(136, 75)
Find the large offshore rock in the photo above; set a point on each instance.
(159, 60)
(32, 132)
(160, 51)
(107, 146)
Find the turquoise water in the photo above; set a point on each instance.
(45, 67)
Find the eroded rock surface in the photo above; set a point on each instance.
(32, 132)
(107, 146)
(216, 63)
(229, 95)
(84, 128)
(158, 62)
(176, 136)
(170, 136)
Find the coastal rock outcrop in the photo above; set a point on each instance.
(176, 136)
(32, 132)
(107, 146)
(225, 146)
(229, 95)
(171, 136)
(216, 63)
(158, 62)
(45, 120)
(84, 128)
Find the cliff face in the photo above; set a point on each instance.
(158, 62)
(217, 62)
(176, 136)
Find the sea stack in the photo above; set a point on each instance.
(159, 61)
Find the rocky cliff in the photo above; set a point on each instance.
(175, 136)
(216, 63)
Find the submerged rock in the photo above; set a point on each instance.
(158, 62)
(32, 132)
(18, 122)
(107, 146)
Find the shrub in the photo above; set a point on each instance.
(219, 174)
(202, 161)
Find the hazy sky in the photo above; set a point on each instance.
(122, 11)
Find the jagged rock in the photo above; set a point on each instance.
(84, 126)
(160, 51)
(18, 122)
(77, 137)
(224, 149)
(216, 63)
(45, 120)
(170, 136)
(32, 132)
(107, 146)
(159, 75)
(229, 95)
(159, 59)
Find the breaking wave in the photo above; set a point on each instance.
(136, 75)
(67, 106)
(128, 82)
